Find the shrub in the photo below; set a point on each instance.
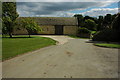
(106, 35)
(90, 24)
(84, 32)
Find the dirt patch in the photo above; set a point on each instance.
(44, 73)
(69, 53)
(52, 65)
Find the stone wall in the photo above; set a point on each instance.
(21, 31)
(47, 30)
(70, 30)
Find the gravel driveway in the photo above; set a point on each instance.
(71, 58)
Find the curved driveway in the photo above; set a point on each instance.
(72, 58)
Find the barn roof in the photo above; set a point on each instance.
(56, 20)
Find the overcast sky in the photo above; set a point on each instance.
(64, 8)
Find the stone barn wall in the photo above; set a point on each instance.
(47, 30)
(48, 25)
(21, 31)
(70, 30)
(67, 30)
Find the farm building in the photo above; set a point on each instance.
(54, 25)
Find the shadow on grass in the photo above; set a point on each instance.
(18, 37)
(90, 41)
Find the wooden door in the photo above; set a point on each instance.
(58, 30)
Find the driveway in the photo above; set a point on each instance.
(60, 39)
(71, 58)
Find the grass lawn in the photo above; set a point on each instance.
(72, 36)
(12, 47)
(108, 45)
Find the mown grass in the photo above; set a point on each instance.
(17, 45)
(109, 45)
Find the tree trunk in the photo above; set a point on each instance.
(10, 34)
(29, 35)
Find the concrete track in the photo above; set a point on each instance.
(72, 58)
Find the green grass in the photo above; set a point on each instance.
(73, 36)
(12, 47)
(108, 45)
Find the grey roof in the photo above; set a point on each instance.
(56, 20)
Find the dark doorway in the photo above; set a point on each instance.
(58, 30)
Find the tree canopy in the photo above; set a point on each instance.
(9, 16)
(90, 24)
(80, 19)
(30, 25)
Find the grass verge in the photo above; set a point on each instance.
(108, 45)
(17, 45)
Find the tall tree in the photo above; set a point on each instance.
(80, 19)
(115, 23)
(9, 16)
(0, 31)
(100, 23)
(107, 21)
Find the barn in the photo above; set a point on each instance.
(54, 26)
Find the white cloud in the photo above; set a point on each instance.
(57, 14)
(93, 12)
(100, 11)
(62, 9)
(47, 8)
(67, 0)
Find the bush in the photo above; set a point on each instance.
(106, 35)
(90, 24)
(84, 32)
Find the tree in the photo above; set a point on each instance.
(80, 19)
(115, 23)
(30, 25)
(92, 18)
(107, 21)
(100, 23)
(0, 18)
(90, 24)
(0, 25)
(114, 16)
(9, 16)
